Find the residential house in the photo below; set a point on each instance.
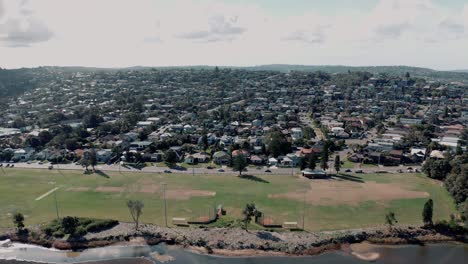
(140, 145)
(103, 155)
(221, 158)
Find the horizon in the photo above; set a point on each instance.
(239, 33)
(230, 66)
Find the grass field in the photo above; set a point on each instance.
(349, 202)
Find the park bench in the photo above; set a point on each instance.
(290, 225)
(179, 221)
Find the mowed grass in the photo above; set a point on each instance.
(78, 196)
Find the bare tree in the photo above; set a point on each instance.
(136, 209)
(249, 211)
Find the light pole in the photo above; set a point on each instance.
(121, 162)
(303, 210)
(165, 205)
(55, 198)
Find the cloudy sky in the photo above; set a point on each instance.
(115, 33)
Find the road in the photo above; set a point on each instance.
(227, 171)
(305, 119)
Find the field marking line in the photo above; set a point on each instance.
(47, 193)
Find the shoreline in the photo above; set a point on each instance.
(235, 242)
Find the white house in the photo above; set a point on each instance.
(103, 155)
(296, 133)
(272, 161)
(22, 154)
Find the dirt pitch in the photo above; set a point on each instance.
(333, 192)
(186, 194)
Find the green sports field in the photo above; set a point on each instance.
(348, 202)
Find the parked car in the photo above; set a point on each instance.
(221, 170)
(267, 170)
(347, 170)
(51, 167)
(209, 167)
(12, 165)
(167, 171)
(358, 171)
(40, 163)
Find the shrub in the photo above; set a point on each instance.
(48, 230)
(80, 231)
(99, 225)
(77, 226)
(58, 234)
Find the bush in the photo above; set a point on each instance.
(99, 225)
(48, 231)
(80, 231)
(81, 226)
(58, 234)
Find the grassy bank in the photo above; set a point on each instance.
(104, 195)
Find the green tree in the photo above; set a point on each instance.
(457, 181)
(459, 150)
(324, 159)
(427, 212)
(170, 157)
(18, 220)
(239, 164)
(390, 219)
(93, 159)
(204, 141)
(465, 213)
(249, 211)
(436, 169)
(136, 209)
(312, 162)
(92, 120)
(69, 224)
(33, 142)
(89, 159)
(337, 163)
(278, 144)
(45, 137)
(71, 144)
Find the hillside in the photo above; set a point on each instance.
(390, 70)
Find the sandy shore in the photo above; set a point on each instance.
(236, 242)
(115, 261)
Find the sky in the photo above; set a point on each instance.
(122, 33)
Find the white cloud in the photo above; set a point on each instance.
(19, 27)
(184, 32)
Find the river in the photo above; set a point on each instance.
(431, 254)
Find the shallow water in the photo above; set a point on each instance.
(431, 254)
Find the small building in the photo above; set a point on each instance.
(314, 174)
(22, 154)
(256, 160)
(196, 158)
(140, 145)
(221, 157)
(103, 155)
(272, 161)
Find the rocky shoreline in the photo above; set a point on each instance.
(238, 242)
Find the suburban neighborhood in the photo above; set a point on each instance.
(204, 118)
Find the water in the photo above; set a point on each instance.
(431, 254)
